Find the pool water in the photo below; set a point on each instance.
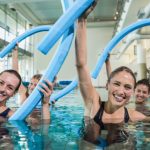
(65, 132)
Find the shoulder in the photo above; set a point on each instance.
(136, 115)
(10, 113)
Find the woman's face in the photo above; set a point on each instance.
(32, 85)
(8, 85)
(120, 88)
(141, 93)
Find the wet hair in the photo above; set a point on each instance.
(143, 82)
(14, 72)
(120, 69)
(37, 76)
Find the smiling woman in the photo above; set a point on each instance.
(120, 86)
(142, 91)
(10, 82)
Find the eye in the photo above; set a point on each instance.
(138, 91)
(116, 83)
(128, 87)
(144, 92)
(30, 84)
(1, 82)
(11, 88)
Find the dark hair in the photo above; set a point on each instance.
(120, 69)
(14, 72)
(144, 82)
(37, 76)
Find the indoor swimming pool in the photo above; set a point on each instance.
(67, 132)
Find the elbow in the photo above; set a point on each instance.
(81, 63)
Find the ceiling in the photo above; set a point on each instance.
(114, 13)
(107, 12)
(40, 12)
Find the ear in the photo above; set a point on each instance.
(107, 86)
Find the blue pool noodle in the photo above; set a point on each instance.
(63, 23)
(51, 72)
(103, 56)
(63, 92)
(110, 46)
(115, 41)
(21, 37)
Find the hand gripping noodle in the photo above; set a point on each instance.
(63, 23)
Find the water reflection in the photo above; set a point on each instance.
(141, 107)
(102, 138)
(65, 132)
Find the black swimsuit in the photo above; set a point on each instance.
(99, 114)
(5, 113)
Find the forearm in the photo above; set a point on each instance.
(84, 77)
(108, 68)
(15, 59)
(81, 52)
(80, 44)
(46, 112)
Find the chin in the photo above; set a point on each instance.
(119, 104)
(139, 101)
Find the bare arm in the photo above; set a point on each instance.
(108, 66)
(89, 93)
(139, 116)
(15, 58)
(22, 90)
(47, 89)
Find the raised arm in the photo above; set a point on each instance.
(108, 66)
(15, 65)
(15, 58)
(85, 82)
(88, 91)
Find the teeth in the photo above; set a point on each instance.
(2, 94)
(118, 98)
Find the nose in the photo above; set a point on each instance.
(2, 88)
(121, 90)
(141, 93)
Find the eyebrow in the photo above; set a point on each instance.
(116, 81)
(11, 86)
(8, 84)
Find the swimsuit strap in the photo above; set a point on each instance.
(99, 114)
(5, 113)
(126, 115)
